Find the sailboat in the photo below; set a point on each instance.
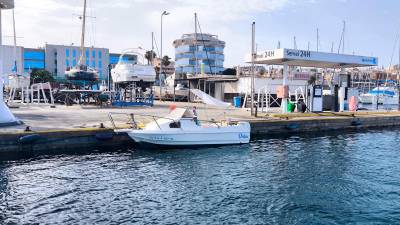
(81, 71)
(17, 79)
(6, 116)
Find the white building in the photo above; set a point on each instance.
(59, 58)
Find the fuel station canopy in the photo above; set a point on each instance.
(306, 58)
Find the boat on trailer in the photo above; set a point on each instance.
(182, 128)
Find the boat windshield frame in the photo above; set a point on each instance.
(131, 52)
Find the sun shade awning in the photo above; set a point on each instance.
(179, 113)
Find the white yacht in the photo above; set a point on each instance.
(181, 128)
(382, 95)
(130, 71)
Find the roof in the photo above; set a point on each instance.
(306, 58)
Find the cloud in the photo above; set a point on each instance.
(121, 24)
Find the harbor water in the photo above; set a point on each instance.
(333, 178)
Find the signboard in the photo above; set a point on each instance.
(297, 57)
(301, 76)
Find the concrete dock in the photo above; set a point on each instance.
(66, 128)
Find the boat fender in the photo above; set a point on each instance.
(104, 136)
(29, 139)
(356, 122)
(292, 126)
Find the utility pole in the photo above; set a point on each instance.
(317, 39)
(15, 43)
(152, 48)
(1, 33)
(165, 13)
(253, 32)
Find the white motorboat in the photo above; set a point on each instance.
(129, 71)
(382, 95)
(181, 128)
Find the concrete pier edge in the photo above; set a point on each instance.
(92, 138)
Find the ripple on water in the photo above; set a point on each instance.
(329, 179)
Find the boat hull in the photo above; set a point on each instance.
(133, 73)
(239, 134)
(371, 99)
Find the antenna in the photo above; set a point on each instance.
(317, 39)
(294, 42)
(333, 43)
(279, 44)
(341, 43)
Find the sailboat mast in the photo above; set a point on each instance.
(15, 43)
(398, 66)
(195, 43)
(82, 58)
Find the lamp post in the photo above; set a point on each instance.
(165, 13)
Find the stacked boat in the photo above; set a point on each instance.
(381, 95)
(132, 70)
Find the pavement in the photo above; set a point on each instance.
(45, 118)
(60, 118)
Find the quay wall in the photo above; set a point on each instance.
(322, 124)
(47, 142)
(61, 141)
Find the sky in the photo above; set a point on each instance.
(372, 26)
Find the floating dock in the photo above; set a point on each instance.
(65, 129)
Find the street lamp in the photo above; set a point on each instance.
(165, 13)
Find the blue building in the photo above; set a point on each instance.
(58, 58)
(33, 59)
(197, 52)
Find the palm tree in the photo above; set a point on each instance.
(166, 60)
(150, 55)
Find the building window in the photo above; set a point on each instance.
(93, 64)
(87, 53)
(100, 65)
(93, 54)
(74, 62)
(66, 52)
(67, 63)
(87, 62)
(74, 53)
(99, 54)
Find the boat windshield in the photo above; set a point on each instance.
(179, 113)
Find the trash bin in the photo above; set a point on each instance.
(236, 101)
(290, 107)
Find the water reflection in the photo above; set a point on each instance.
(325, 178)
